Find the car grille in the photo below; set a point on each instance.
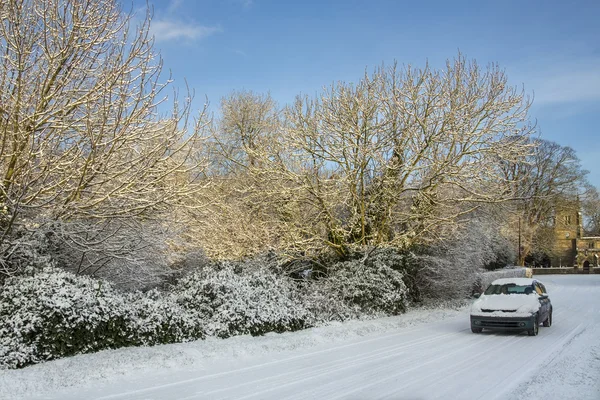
(485, 310)
(500, 324)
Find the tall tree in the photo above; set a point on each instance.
(247, 129)
(80, 135)
(398, 157)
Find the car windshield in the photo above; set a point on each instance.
(509, 288)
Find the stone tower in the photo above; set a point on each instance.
(567, 230)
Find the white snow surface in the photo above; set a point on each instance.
(424, 354)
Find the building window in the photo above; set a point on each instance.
(567, 220)
(591, 245)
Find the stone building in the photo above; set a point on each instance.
(571, 247)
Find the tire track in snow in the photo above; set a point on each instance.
(331, 367)
(128, 395)
(476, 367)
(450, 371)
(530, 369)
(441, 375)
(359, 386)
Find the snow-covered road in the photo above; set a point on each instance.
(428, 357)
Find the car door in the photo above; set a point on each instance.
(548, 302)
(544, 302)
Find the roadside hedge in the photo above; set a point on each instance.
(49, 313)
(239, 299)
(54, 314)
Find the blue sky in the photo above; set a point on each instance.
(292, 47)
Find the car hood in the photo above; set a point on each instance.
(513, 303)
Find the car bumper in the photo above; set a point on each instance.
(503, 323)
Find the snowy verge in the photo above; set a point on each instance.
(573, 369)
(104, 366)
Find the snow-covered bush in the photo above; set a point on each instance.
(53, 313)
(404, 262)
(368, 285)
(238, 300)
(159, 319)
(450, 269)
(324, 304)
(24, 251)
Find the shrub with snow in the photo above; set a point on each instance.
(50, 313)
(24, 251)
(159, 319)
(326, 305)
(53, 314)
(240, 299)
(368, 286)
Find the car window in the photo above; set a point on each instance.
(509, 288)
(543, 288)
(538, 289)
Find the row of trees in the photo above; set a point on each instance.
(396, 159)
(403, 158)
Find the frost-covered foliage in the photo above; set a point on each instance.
(326, 305)
(25, 251)
(404, 262)
(368, 286)
(53, 313)
(451, 268)
(131, 254)
(240, 298)
(483, 279)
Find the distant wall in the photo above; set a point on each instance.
(562, 271)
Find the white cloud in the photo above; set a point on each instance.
(560, 81)
(243, 3)
(174, 5)
(172, 29)
(572, 84)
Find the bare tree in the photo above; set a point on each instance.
(591, 211)
(246, 132)
(80, 133)
(238, 214)
(398, 157)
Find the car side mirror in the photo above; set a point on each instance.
(543, 297)
(477, 295)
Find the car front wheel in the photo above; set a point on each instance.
(548, 321)
(536, 326)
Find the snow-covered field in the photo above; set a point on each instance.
(419, 355)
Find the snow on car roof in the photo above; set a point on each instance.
(516, 281)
